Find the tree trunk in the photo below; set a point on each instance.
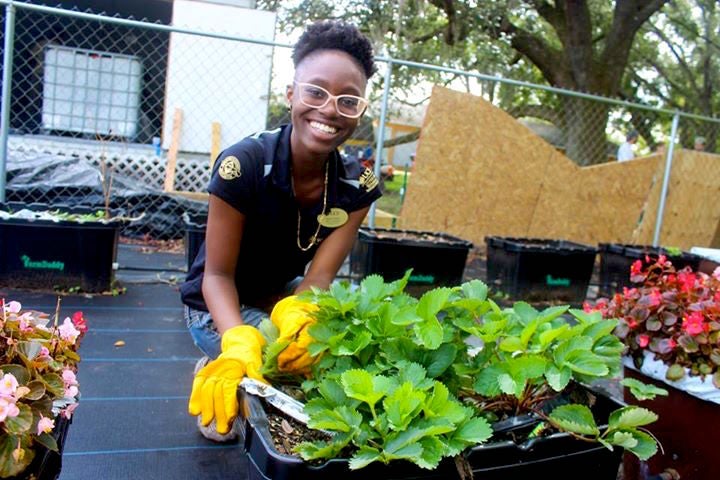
(585, 123)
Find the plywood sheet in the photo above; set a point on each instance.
(476, 170)
(479, 172)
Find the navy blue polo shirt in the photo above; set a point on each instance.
(253, 176)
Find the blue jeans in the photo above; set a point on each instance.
(205, 334)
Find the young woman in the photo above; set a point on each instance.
(278, 201)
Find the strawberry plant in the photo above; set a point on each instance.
(421, 379)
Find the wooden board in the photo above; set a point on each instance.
(479, 172)
(171, 165)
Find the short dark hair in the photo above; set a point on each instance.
(335, 35)
(632, 134)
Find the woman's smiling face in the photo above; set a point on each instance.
(321, 130)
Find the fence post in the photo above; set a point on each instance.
(6, 92)
(666, 179)
(381, 134)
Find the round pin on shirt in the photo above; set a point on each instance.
(334, 218)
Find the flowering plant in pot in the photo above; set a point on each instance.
(670, 325)
(418, 380)
(671, 317)
(38, 386)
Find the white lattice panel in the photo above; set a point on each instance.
(135, 162)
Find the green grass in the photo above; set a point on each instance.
(391, 200)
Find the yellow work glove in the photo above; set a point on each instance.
(293, 318)
(214, 390)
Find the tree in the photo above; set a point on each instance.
(678, 67)
(573, 44)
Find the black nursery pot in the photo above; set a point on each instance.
(42, 254)
(536, 269)
(558, 456)
(617, 258)
(436, 259)
(47, 464)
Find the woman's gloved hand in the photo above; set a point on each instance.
(293, 318)
(214, 390)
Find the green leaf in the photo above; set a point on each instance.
(586, 317)
(511, 344)
(341, 419)
(512, 384)
(415, 374)
(47, 440)
(599, 329)
(361, 385)
(441, 405)
(22, 422)
(548, 336)
(372, 287)
(609, 346)
(406, 316)
(646, 446)
(622, 439)
(37, 390)
(643, 391)
(551, 313)
(363, 457)
(475, 289)
(486, 383)
(433, 450)
(558, 378)
(587, 363)
(630, 417)
(30, 349)
(402, 405)
(432, 302)
(430, 332)
(529, 366)
(352, 347)
(438, 361)
(575, 418)
(473, 431)
(54, 383)
(323, 449)
(8, 465)
(18, 371)
(675, 372)
(408, 452)
(269, 331)
(572, 344)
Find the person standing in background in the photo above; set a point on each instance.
(625, 151)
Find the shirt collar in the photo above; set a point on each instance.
(281, 166)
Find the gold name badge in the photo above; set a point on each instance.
(334, 218)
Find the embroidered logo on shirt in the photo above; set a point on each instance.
(230, 168)
(368, 180)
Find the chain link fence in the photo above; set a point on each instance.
(153, 105)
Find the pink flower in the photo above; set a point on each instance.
(79, 321)
(662, 259)
(69, 378)
(655, 297)
(8, 409)
(45, 425)
(631, 322)
(44, 352)
(672, 343)
(8, 385)
(71, 391)
(643, 340)
(13, 307)
(68, 412)
(25, 326)
(68, 332)
(636, 268)
(687, 281)
(693, 324)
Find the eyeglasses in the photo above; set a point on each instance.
(348, 106)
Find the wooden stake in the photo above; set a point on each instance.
(215, 145)
(173, 151)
